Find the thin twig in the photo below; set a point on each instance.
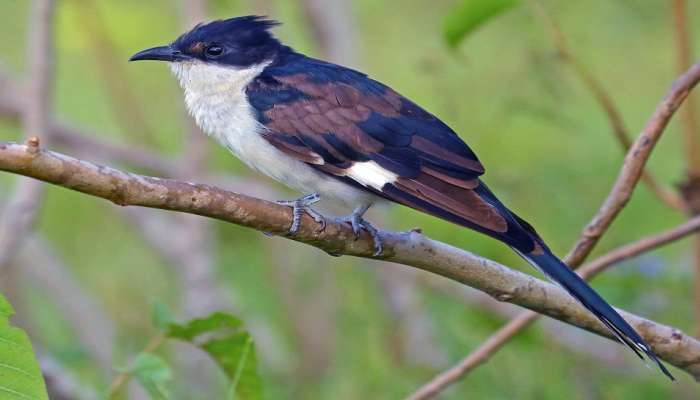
(410, 248)
(20, 210)
(633, 165)
(644, 245)
(691, 129)
(496, 341)
(482, 354)
(120, 380)
(618, 197)
(689, 118)
(604, 99)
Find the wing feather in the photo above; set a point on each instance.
(334, 118)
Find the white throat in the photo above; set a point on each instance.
(216, 98)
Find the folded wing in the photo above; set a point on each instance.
(351, 127)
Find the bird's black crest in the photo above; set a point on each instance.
(244, 40)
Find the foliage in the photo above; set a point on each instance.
(222, 337)
(153, 373)
(20, 375)
(471, 14)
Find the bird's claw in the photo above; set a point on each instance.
(358, 224)
(301, 206)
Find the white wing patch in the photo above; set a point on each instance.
(371, 174)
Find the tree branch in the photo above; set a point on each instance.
(690, 188)
(633, 165)
(604, 99)
(411, 248)
(496, 341)
(618, 197)
(689, 119)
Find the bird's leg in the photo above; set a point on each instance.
(299, 207)
(358, 223)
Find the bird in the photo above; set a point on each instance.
(335, 134)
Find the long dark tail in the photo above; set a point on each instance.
(523, 238)
(560, 273)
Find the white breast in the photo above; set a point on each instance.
(216, 98)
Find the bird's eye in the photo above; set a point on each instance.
(214, 50)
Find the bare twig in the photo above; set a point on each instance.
(644, 245)
(690, 188)
(633, 166)
(689, 119)
(604, 99)
(496, 341)
(617, 198)
(411, 248)
(18, 215)
(482, 354)
(123, 378)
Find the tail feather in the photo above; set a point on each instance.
(560, 273)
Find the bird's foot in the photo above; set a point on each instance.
(301, 206)
(358, 223)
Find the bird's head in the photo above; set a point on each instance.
(218, 57)
(240, 42)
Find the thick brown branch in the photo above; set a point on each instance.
(410, 248)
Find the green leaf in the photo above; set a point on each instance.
(153, 373)
(236, 356)
(222, 336)
(468, 16)
(215, 323)
(20, 375)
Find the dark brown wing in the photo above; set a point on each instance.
(335, 119)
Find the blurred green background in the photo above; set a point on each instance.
(340, 327)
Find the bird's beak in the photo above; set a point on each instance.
(161, 53)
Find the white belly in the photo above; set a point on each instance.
(215, 96)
